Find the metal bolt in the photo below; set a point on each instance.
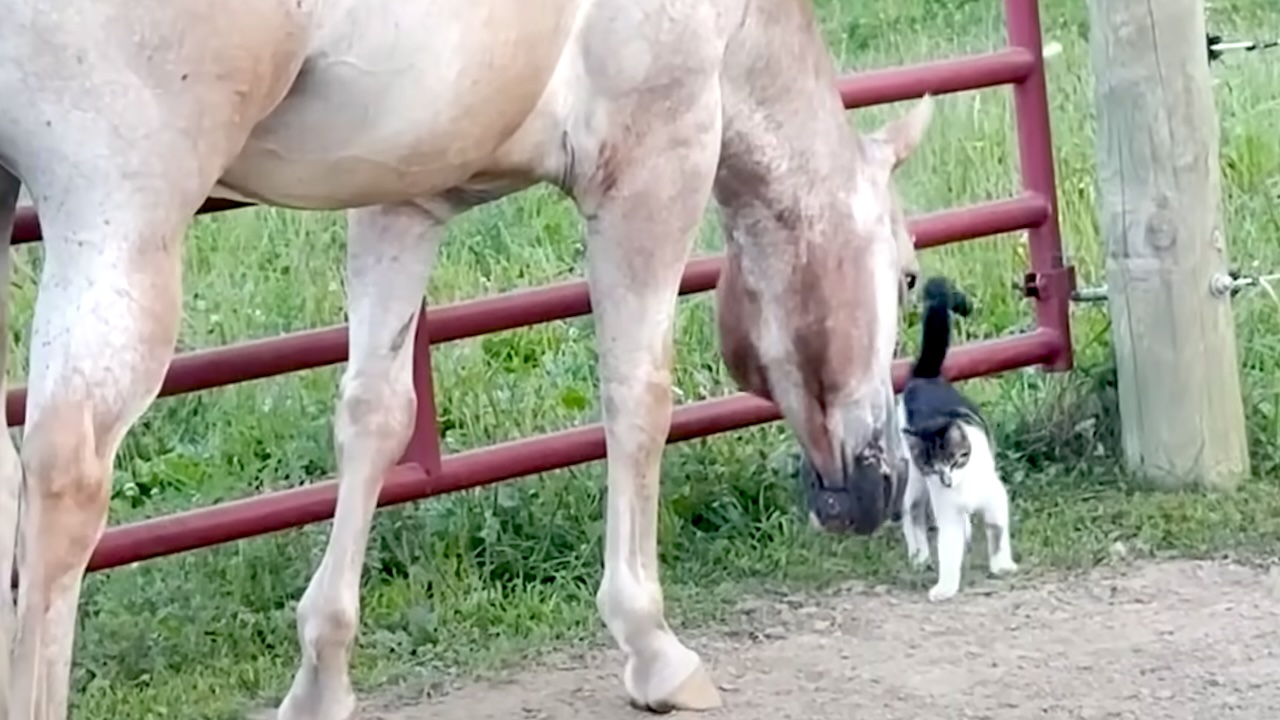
(1221, 285)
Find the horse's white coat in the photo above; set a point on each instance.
(122, 116)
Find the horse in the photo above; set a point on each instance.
(120, 117)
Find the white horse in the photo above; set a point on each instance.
(121, 116)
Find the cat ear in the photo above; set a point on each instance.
(958, 440)
(913, 436)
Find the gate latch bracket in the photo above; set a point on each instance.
(1056, 283)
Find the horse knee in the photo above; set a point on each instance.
(375, 408)
(68, 487)
(639, 408)
(62, 454)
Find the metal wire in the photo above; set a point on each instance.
(1217, 46)
(1220, 285)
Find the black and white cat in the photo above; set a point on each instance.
(951, 464)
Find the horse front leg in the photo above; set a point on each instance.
(643, 208)
(390, 254)
(10, 466)
(106, 320)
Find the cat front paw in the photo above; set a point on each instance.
(940, 593)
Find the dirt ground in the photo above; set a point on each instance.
(1150, 641)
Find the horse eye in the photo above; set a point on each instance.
(911, 281)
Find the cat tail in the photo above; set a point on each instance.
(940, 300)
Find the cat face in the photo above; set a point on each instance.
(940, 451)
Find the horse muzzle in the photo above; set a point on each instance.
(857, 498)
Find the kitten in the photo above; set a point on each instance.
(951, 464)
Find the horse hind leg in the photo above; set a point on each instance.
(390, 255)
(641, 223)
(10, 466)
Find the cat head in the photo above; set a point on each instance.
(939, 449)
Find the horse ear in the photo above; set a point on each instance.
(903, 134)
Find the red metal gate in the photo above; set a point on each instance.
(423, 472)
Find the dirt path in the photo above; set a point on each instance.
(1154, 641)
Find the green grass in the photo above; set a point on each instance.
(465, 582)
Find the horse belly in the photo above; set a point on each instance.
(399, 101)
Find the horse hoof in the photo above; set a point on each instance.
(697, 694)
(336, 706)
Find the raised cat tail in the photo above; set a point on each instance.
(940, 300)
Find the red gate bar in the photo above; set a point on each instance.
(1050, 282)
(877, 87)
(253, 360)
(423, 448)
(281, 510)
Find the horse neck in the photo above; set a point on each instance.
(788, 151)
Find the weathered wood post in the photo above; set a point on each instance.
(1159, 207)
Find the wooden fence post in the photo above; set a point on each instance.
(1160, 211)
